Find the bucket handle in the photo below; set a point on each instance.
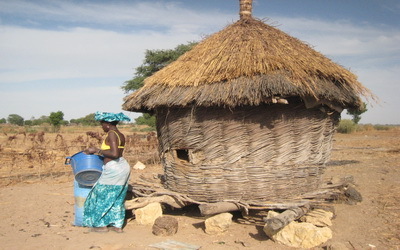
(67, 161)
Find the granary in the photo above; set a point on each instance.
(247, 115)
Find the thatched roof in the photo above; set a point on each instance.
(248, 63)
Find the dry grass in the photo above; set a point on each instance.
(254, 58)
(37, 155)
(389, 210)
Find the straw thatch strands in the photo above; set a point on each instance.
(245, 64)
(248, 114)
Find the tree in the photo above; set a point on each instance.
(28, 123)
(64, 123)
(86, 121)
(3, 120)
(56, 118)
(356, 112)
(146, 119)
(153, 62)
(15, 119)
(43, 119)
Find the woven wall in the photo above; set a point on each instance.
(265, 153)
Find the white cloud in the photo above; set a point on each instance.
(29, 54)
(35, 54)
(126, 14)
(342, 38)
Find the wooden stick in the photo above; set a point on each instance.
(273, 225)
(217, 208)
(144, 201)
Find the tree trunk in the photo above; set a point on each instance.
(217, 208)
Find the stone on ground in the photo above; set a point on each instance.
(148, 214)
(318, 217)
(165, 226)
(218, 223)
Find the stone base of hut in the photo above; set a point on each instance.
(261, 153)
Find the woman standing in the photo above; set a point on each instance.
(104, 208)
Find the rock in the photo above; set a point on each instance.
(148, 214)
(352, 194)
(318, 217)
(302, 235)
(271, 214)
(268, 231)
(276, 223)
(139, 166)
(165, 226)
(218, 223)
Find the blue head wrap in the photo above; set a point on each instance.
(110, 117)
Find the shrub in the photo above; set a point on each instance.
(365, 127)
(346, 126)
(142, 128)
(381, 127)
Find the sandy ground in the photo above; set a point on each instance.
(38, 213)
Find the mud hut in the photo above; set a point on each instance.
(247, 115)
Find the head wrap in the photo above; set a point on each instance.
(110, 117)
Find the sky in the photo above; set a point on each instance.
(74, 56)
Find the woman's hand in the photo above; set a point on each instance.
(91, 150)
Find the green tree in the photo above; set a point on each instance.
(3, 120)
(56, 118)
(43, 119)
(153, 62)
(15, 119)
(86, 121)
(64, 122)
(146, 119)
(28, 122)
(356, 112)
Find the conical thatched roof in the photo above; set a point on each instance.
(248, 63)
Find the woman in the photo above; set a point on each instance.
(104, 206)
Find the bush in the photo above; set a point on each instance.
(381, 127)
(346, 126)
(146, 119)
(365, 127)
(143, 128)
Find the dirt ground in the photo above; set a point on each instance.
(38, 213)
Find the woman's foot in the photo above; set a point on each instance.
(99, 229)
(116, 229)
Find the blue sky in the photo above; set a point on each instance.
(74, 56)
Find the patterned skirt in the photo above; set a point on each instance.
(104, 205)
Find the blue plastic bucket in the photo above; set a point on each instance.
(87, 168)
(80, 194)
